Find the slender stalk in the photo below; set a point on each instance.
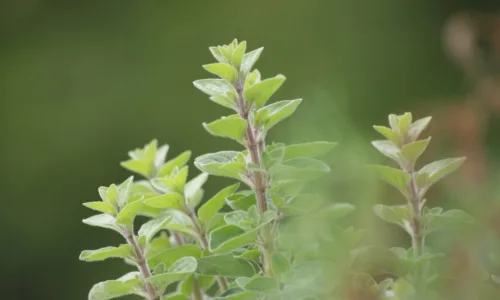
(255, 149)
(197, 294)
(141, 264)
(416, 203)
(222, 281)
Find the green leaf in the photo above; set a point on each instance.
(252, 78)
(412, 151)
(142, 167)
(179, 270)
(249, 59)
(238, 54)
(312, 150)
(259, 93)
(242, 200)
(251, 254)
(124, 251)
(280, 264)
(399, 215)
(389, 134)
(223, 70)
(394, 177)
(233, 127)
(179, 161)
(299, 168)
(180, 222)
(435, 171)
(272, 114)
(417, 127)
(192, 189)
(124, 192)
(158, 245)
(127, 215)
(388, 149)
(240, 219)
(126, 285)
(169, 200)
(153, 226)
(103, 207)
(224, 265)
(223, 163)
(262, 284)
(216, 87)
(217, 53)
(104, 221)
(214, 204)
(169, 256)
(230, 237)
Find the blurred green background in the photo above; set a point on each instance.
(83, 82)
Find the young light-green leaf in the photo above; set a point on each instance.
(169, 256)
(238, 54)
(153, 226)
(233, 127)
(179, 161)
(127, 285)
(216, 87)
(225, 265)
(435, 171)
(399, 215)
(259, 93)
(417, 127)
(124, 251)
(412, 151)
(223, 70)
(103, 207)
(214, 204)
(389, 149)
(389, 134)
(249, 60)
(223, 163)
(169, 200)
(274, 113)
(397, 178)
(179, 270)
(127, 215)
(104, 221)
(230, 237)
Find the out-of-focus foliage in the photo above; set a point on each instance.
(82, 81)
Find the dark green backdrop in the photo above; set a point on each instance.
(82, 82)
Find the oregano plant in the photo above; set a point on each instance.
(191, 248)
(274, 174)
(415, 266)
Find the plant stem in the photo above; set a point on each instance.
(141, 263)
(417, 238)
(197, 294)
(222, 281)
(255, 148)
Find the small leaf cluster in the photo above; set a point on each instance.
(403, 146)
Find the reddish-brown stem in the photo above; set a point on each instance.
(255, 147)
(141, 264)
